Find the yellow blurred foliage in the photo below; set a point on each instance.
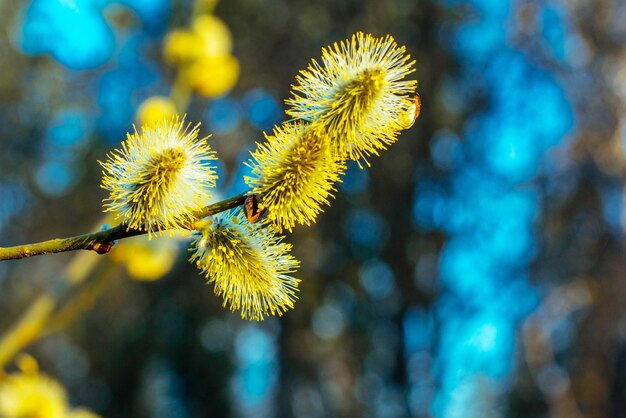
(34, 395)
(212, 76)
(146, 259)
(154, 109)
(215, 35)
(203, 55)
(181, 46)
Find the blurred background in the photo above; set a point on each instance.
(476, 269)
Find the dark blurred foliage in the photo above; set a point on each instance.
(475, 270)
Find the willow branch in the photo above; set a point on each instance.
(102, 241)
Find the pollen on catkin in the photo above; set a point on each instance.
(159, 177)
(294, 174)
(357, 93)
(248, 264)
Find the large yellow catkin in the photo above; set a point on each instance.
(248, 264)
(160, 177)
(294, 174)
(357, 94)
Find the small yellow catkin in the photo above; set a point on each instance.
(248, 264)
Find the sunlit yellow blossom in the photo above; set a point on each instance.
(160, 177)
(357, 93)
(293, 173)
(34, 396)
(146, 259)
(212, 76)
(30, 394)
(215, 35)
(208, 37)
(154, 109)
(182, 46)
(248, 264)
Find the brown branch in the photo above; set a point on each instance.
(102, 241)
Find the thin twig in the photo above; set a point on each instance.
(102, 241)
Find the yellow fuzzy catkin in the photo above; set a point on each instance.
(160, 177)
(357, 94)
(248, 264)
(294, 174)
